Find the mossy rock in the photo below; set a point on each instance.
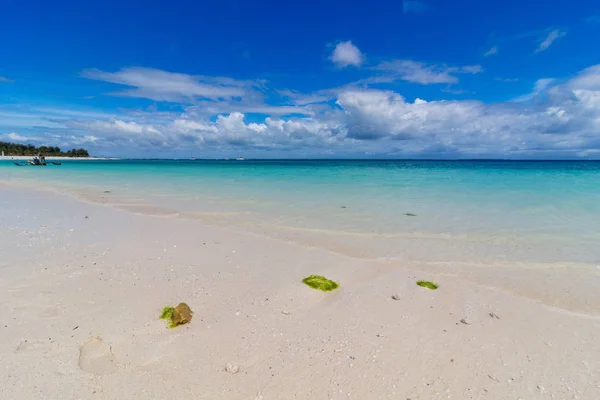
(428, 285)
(182, 314)
(320, 283)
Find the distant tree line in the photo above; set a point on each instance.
(13, 149)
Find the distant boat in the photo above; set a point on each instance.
(240, 159)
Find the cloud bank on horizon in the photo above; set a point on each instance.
(376, 106)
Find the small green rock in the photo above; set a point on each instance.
(182, 314)
(320, 283)
(428, 285)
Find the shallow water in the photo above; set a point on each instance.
(469, 210)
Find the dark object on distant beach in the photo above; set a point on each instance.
(182, 314)
(320, 283)
(342, 206)
(410, 214)
(428, 285)
(107, 191)
(396, 297)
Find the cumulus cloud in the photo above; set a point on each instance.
(549, 39)
(15, 137)
(419, 72)
(559, 118)
(413, 6)
(346, 54)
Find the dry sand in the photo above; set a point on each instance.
(80, 299)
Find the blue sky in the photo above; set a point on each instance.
(429, 78)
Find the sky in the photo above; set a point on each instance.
(278, 79)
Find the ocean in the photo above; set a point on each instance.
(475, 211)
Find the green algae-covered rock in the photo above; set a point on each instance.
(428, 285)
(182, 314)
(320, 283)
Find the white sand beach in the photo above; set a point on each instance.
(82, 286)
(16, 158)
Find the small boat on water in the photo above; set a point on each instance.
(36, 163)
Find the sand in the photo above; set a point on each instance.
(81, 298)
(50, 158)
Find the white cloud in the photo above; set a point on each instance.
(559, 118)
(161, 85)
(413, 6)
(419, 72)
(302, 99)
(5, 80)
(346, 54)
(547, 42)
(539, 87)
(491, 51)
(15, 137)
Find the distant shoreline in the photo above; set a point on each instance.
(16, 158)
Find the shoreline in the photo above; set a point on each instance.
(551, 283)
(16, 158)
(83, 285)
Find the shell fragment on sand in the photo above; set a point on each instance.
(232, 368)
(320, 283)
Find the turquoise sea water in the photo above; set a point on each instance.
(530, 210)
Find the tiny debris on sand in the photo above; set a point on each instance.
(395, 297)
(494, 315)
(465, 321)
(232, 368)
